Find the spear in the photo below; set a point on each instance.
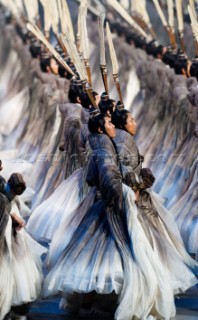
(114, 62)
(192, 5)
(194, 25)
(13, 8)
(20, 6)
(55, 12)
(171, 28)
(79, 65)
(160, 13)
(165, 23)
(61, 17)
(137, 14)
(140, 7)
(66, 20)
(180, 20)
(92, 9)
(85, 41)
(99, 6)
(47, 19)
(58, 15)
(54, 15)
(79, 37)
(120, 10)
(103, 66)
(37, 32)
(147, 18)
(31, 7)
(74, 56)
(78, 42)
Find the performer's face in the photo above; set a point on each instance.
(110, 128)
(97, 99)
(54, 66)
(130, 125)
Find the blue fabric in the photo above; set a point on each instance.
(8, 192)
(7, 189)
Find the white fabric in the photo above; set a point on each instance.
(48, 216)
(146, 283)
(14, 107)
(21, 273)
(193, 240)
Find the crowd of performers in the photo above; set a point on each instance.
(113, 247)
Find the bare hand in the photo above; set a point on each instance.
(137, 195)
(18, 222)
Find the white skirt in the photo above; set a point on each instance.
(48, 216)
(21, 269)
(89, 259)
(193, 241)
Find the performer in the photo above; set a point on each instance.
(70, 111)
(74, 115)
(107, 105)
(20, 264)
(14, 187)
(152, 214)
(194, 68)
(109, 221)
(48, 216)
(100, 246)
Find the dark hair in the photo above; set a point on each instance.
(179, 65)
(35, 51)
(169, 59)
(107, 105)
(22, 32)
(194, 70)
(116, 27)
(129, 37)
(16, 183)
(150, 47)
(74, 92)
(119, 30)
(119, 105)
(154, 49)
(96, 122)
(44, 63)
(140, 42)
(94, 93)
(85, 100)
(158, 50)
(119, 118)
(63, 73)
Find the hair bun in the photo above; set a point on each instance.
(16, 180)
